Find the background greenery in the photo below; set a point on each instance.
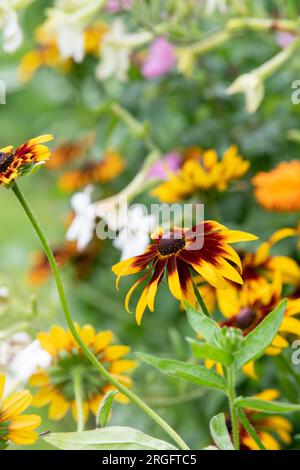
(181, 112)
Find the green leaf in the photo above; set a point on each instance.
(207, 351)
(252, 403)
(104, 409)
(202, 324)
(191, 373)
(261, 337)
(111, 438)
(219, 432)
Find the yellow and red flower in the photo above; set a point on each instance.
(15, 163)
(56, 383)
(202, 171)
(14, 426)
(205, 249)
(279, 189)
(247, 313)
(259, 269)
(93, 172)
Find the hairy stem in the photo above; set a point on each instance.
(69, 320)
(232, 406)
(77, 384)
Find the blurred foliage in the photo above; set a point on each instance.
(181, 112)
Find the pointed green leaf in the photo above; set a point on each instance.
(259, 339)
(104, 409)
(219, 432)
(252, 403)
(202, 324)
(111, 438)
(191, 373)
(207, 351)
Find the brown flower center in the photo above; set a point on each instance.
(6, 159)
(170, 245)
(245, 318)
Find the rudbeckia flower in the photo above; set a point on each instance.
(259, 269)
(204, 173)
(177, 253)
(102, 171)
(56, 383)
(247, 313)
(14, 426)
(279, 189)
(272, 430)
(15, 163)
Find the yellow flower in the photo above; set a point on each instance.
(47, 53)
(14, 426)
(272, 430)
(56, 383)
(279, 189)
(247, 313)
(258, 270)
(101, 171)
(204, 249)
(203, 174)
(15, 163)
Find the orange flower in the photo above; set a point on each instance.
(69, 151)
(279, 189)
(15, 163)
(95, 172)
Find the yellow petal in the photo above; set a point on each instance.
(27, 422)
(87, 334)
(269, 394)
(290, 325)
(41, 139)
(118, 367)
(249, 370)
(26, 437)
(2, 385)
(141, 306)
(113, 353)
(15, 404)
(102, 340)
(58, 408)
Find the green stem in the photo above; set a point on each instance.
(232, 406)
(250, 429)
(77, 384)
(67, 313)
(201, 302)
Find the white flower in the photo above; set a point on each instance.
(20, 357)
(133, 237)
(116, 49)
(9, 24)
(83, 225)
(68, 20)
(253, 86)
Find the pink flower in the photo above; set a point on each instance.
(170, 163)
(161, 59)
(114, 6)
(284, 39)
